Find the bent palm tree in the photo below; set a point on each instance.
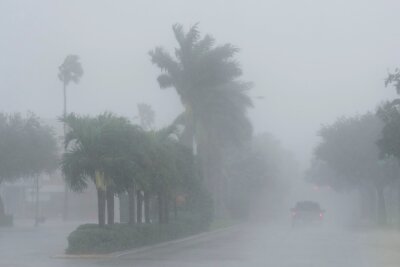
(205, 77)
(69, 71)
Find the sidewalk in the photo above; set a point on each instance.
(384, 246)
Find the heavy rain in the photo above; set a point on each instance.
(200, 133)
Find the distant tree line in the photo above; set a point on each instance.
(362, 153)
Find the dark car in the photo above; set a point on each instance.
(307, 213)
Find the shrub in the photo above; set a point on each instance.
(193, 218)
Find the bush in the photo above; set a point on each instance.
(194, 217)
(92, 239)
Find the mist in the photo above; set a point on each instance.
(311, 61)
(313, 120)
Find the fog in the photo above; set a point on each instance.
(310, 62)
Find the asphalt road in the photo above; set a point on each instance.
(246, 245)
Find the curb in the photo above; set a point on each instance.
(171, 242)
(119, 254)
(82, 257)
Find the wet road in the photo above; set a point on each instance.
(250, 245)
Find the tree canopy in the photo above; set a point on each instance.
(349, 147)
(70, 70)
(27, 147)
(205, 77)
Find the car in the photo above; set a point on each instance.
(307, 213)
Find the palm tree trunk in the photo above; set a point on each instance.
(147, 207)
(187, 137)
(207, 165)
(217, 179)
(131, 204)
(139, 206)
(211, 163)
(110, 205)
(101, 206)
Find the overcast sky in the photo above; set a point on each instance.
(312, 60)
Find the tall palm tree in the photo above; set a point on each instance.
(69, 71)
(205, 76)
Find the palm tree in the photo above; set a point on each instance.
(163, 177)
(94, 154)
(120, 157)
(82, 160)
(69, 71)
(394, 79)
(123, 163)
(205, 77)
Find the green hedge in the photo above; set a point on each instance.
(92, 239)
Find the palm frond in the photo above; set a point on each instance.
(164, 61)
(179, 34)
(70, 70)
(192, 36)
(223, 52)
(165, 81)
(77, 169)
(204, 45)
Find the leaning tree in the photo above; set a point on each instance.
(206, 78)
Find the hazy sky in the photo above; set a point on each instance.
(312, 60)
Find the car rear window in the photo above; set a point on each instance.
(307, 205)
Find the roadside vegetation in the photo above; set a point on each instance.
(204, 170)
(361, 154)
(28, 148)
(174, 181)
